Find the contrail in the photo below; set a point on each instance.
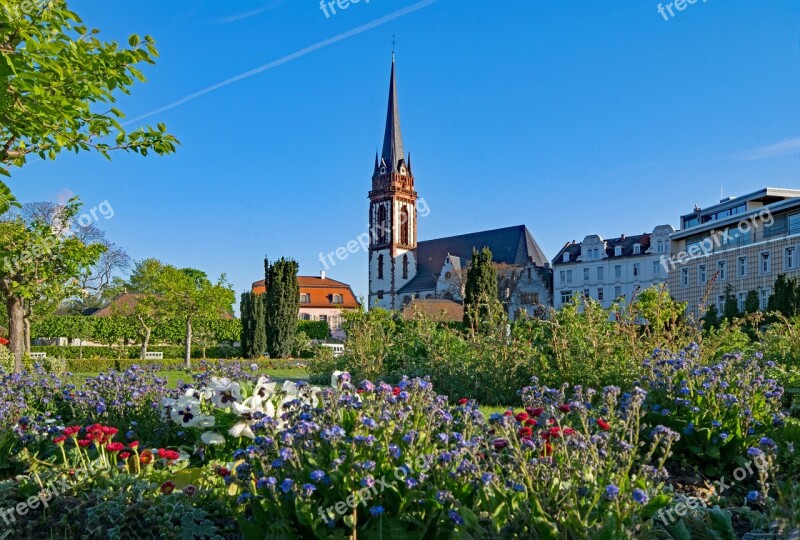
(281, 61)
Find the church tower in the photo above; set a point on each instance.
(392, 214)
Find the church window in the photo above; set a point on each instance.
(405, 266)
(383, 225)
(380, 266)
(404, 226)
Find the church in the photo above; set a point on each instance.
(402, 269)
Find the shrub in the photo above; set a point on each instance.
(132, 353)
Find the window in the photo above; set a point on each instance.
(618, 292)
(766, 262)
(305, 298)
(305, 317)
(448, 275)
(380, 266)
(618, 251)
(530, 298)
(563, 276)
(793, 223)
(765, 293)
(656, 268)
(585, 274)
(529, 273)
(587, 294)
(323, 318)
(380, 295)
(618, 271)
(742, 300)
(660, 247)
(383, 225)
(566, 257)
(790, 258)
(566, 297)
(569, 276)
(637, 270)
(337, 299)
(637, 249)
(721, 270)
(685, 277)
(596, 253)
(721, 304)
(600, 295)
(741, 268)
(404, 226)
(405, 266)
(702, 275)
(600, 273)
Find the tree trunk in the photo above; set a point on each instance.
(26, 329)
(145, 343)
(187, 357)
(16, 330)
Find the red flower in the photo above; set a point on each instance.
(525, 432)
(531, 422)
(83, 443)
(167, 487)
(72, 430)
(110, 431)
(146, 457)
(223, 472)
(534, 412)
(508, 413)
(555, 432)
(169, 455)
(360, 391)
(115, 447)
(463, 401)
(568, 431)
(499, 444)
(564, 408)
(548, 449)
(521, 417)
(94, 427)
(396, 390)
(551, 421)
(60, 439)
(133, 444)
(124, 455)
(603, 424)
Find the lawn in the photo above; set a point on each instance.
(280, 375)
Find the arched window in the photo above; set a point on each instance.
(404, 226)
(405, 266)
(382, 224)
(380, 266)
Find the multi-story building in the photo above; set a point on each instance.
(610, 270)
(743, 242)
(321, 299)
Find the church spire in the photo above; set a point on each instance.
(392, 153)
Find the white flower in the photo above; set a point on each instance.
(185, 411)
(226, 392)
(166, 408)
(204, 393)
(211, 437)
(241, 429)
(290, 388)
(264, 388)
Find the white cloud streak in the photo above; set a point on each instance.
(786, 147)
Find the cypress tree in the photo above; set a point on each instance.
(752, 304)
(254, 329)
(283, 302)
(785, 298)
(246, 336)
(711, 318)
(731, 306)
(482, 309)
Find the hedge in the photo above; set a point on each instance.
(314, 329)
(96, 365)
(112, 329)
(132, 352)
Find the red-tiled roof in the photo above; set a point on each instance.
(436, 309)
(321, 291)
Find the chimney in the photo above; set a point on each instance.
(322, 275)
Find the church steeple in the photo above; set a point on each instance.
(392, 154)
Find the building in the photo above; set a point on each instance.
(402, 269)
(610, 270)
(743, 242)
(321, 299)
(435, 309)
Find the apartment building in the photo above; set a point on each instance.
(610, 270)
(745, 242)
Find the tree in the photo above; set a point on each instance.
(785, 298)
(752, 304)
(253, 310)
(283, 302)
(482, 309)
(39, 262)
(149, 310)
(730, 309)
(57, 84)
(711, 318)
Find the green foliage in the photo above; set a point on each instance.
(730, 310)
(314, 329)
(253, 310)
(283, 300)
(483, 312)
(710, 319)
(752, 304)
(785, 298)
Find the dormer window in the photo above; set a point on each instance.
(337, 299)
(305, 298)
(566, 257)
(618, 251)
(637, 249)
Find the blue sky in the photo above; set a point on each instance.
(571, 117)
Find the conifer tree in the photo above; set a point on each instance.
(730, 309)
(785, 298)
(283, 302)
(482, 310)
(752, 304)
(710, 319)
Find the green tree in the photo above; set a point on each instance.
(730, 309)
(752, 304)
(39, 262)
(58, 82)
(710, 318)
(149, 310)
(482, 309)
(283, 301)
(785, 298)
(253, 309)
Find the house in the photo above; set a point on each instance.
(321, 299)
(436, 309)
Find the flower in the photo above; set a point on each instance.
(499, 444)
(169, 455)
(376, 510)
(611, 492)
(564, 408)
(225, 392)
(603, 424)
(455, 517)
(124, 455)
(521, 417)
(167, 487)
(462, 401)
(753, 496)
(211, 437)
(115, 447)
(59, 440)
(640, 496)
(535, 413)
(286, 485)
(146, 457)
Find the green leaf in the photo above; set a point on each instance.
(134, 40)
(655, 504)
(721, 523)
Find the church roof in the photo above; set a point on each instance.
(393, 139)
(509, 245)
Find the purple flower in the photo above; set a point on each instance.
(612, 492)
(640, 496)
(286, 485)
(455, 517)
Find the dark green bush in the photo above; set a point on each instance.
(132, 352)
(314, 329)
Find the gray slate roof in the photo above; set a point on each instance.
(510, 245)
(626, 243)
(392, 139)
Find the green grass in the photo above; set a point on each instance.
(279, 375)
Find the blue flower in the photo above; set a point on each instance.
(455, 517)
(317, 475)
(244, 497)
(376, 510)
(367, 481)
(612, 492)
(753, 496)
(286, 485)
(640, 496)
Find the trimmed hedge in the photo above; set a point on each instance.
(314, 329)
(132, 352)
(105, 364)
